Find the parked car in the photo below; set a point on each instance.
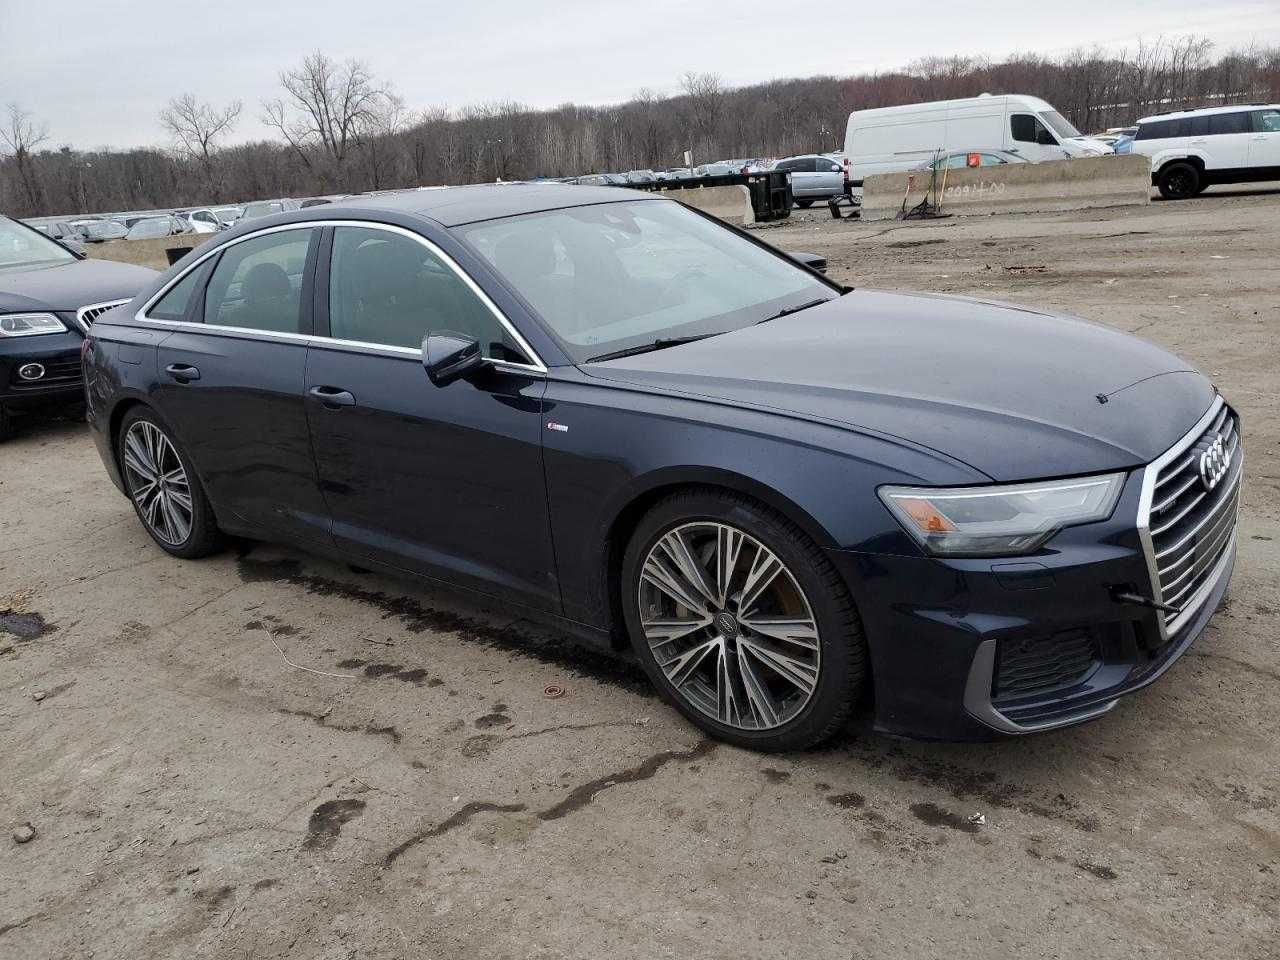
(48, 298)
(970, 158)
(202, 220)
(1194, 149)
(263, 208)
(893, 139)
(228, 215)
(151, 228)
(61, 231)
(813, 177)
(99, 231)
(654, 428)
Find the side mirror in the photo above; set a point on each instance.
(813, 261)
(449, 356)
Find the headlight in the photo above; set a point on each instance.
(999, 520)
(29, 324)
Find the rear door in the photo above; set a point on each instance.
(1224, 138)
(443, 481)
(1264, 143)
(231, 383)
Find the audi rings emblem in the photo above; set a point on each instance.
(1215, 461)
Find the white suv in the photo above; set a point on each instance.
(1193, 149)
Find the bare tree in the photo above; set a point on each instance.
(328, 108)
(706, 102)
(21, 134)
(197, 127)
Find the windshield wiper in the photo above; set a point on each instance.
(660, 344)
(787, 311)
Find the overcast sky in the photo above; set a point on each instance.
(98, 71)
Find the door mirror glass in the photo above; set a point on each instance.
(449, 356)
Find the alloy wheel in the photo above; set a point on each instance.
(729, 625)
(158, 483)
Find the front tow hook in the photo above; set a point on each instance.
(1138, 600)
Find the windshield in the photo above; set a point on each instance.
(20, 246)
(1059, 124)
(619, 275)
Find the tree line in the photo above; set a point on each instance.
(341, 130)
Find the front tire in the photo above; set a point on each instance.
(1179, 181)
(166, 493)
(741, 621)
(6, 425)
(804, 204)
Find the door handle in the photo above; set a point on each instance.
(333, 397)
(183, 372)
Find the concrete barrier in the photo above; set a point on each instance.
(731, 204)
(1018, 187)
(145, 253)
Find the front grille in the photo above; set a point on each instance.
(1037, 665)
(1190, 526)
(91, 312)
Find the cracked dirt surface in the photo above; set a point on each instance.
(194, 796)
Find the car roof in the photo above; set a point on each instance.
(454, 206)
(1199, 111)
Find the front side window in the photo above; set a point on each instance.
(614, 276)
(1266, 121)
(257, 283)
(1023, 127)
(20, 245)
(389, 289)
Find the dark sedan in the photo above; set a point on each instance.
(48, 297)
(607, 409)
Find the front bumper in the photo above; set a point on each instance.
(971, 649)
(58, 354)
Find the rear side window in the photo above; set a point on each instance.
(173, 305)
(1155, 130)
(1221, 123)
(257, 283)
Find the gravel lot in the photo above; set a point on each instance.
(192, 794)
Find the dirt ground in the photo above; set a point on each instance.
(404, 787)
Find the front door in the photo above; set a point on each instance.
(1264, 143)
(231, 383)
(443, 481)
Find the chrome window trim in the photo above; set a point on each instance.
(318, 340)
(1149, 475)
(105, 304)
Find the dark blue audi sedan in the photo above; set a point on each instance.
(604, 408)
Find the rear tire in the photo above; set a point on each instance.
(165, 491)
(804, 204)
(801, 619)
(1179, 181)
(6, 425)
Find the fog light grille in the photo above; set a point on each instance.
(1028, 666)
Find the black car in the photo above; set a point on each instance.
(48, 298)
(605, 408)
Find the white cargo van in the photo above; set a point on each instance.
(892, 139)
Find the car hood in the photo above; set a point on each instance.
(69, 286)
(1015, 393)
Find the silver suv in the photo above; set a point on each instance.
(813, 177)
(1194, 149)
